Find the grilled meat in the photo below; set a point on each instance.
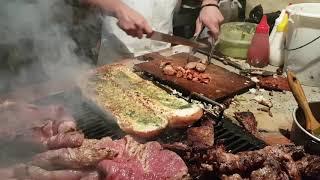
(201, 137)
(193, 71)
(144, 161)
(37, 173)
(272, 162)
(27, 123)
(87, 155)
(271, 171)
(274, 83)
(70, 139)
(309, 166)
(20, 117)
(169, 70)
(191, 65)
(94, 175)
(232, 177)
(248, 121)
(201, 67)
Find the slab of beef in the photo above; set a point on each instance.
(23, 122)
(143, 161)
(87, 155)
(274, 83)
(248, 121)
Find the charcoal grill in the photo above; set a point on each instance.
(97, 123)
(94, 122)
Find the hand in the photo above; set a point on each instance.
(210, 17)
(130, 21)
(133, 23)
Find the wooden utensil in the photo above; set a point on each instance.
(312, 125)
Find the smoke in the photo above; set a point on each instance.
(35, 42)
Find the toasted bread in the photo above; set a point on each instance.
(123, 92)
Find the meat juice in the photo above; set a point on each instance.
(258, 53)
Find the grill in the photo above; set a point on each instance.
(235, 139)
(94, 122)
(97, 123)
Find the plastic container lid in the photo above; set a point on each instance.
(304, 9)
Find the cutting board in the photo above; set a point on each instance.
(223, 83)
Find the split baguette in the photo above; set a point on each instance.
(122, 92)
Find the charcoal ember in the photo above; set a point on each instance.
(200, 137)
(143, 161)
(87, 155)
(70, 139)
(248, 121)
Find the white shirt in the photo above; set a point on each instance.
(117, 44)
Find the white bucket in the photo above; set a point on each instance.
(302, 54)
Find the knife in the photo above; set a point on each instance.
(158, 36)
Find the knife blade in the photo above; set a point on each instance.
(158, 36)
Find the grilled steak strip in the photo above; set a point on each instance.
(201, 137)
(36, 173)
(87, 155)
(248, 121)
(64, 140)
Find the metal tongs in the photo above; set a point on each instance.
(195, 38)
(210, 53)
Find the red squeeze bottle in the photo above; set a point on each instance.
(258, 53)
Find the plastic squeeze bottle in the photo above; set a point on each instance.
(258, 53)
(276, 57)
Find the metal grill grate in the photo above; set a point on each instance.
(91, 120)
(235, 138)
(95, 123)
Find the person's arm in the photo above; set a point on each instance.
(132, 22)
(211, 17)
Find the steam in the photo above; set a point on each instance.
(38, 30)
